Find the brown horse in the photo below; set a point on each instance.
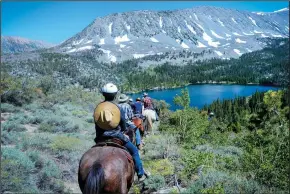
(106, 170)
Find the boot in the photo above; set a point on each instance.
(140, 147)
(142, 178)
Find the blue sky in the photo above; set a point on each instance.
(55, 22)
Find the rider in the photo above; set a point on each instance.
(148, 104)
(131, 103)
(138, 107)
(117, 125)
(128, 117)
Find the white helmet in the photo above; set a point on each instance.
(109, 88)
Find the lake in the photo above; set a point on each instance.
(205, 93)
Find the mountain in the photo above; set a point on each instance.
(10, 44)
(225, 33)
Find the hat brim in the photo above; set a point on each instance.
(123, 99)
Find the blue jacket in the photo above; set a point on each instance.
(113, 133)
(138, 108)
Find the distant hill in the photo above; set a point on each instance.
(10, 44)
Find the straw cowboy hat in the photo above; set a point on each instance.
(123, 98)
(107, 115)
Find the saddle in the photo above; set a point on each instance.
(114, 142)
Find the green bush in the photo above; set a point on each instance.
(39, 141)
(44, 127)
(214, 181)
(9, 137)
(161, 146)
(64, 143)
(10, 108)
(16, 171)
(154, 182)
(20, 118)
(160, 167)
(12, 126)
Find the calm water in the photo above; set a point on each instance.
(206, 93)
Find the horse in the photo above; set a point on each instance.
(150, 116)
(106, 170)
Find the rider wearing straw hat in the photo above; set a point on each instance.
(110, 122)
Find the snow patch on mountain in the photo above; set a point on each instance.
(110, 28)
(111, 57)
(234, 20)
(190, 28)
(216, 35)
(240, 41)
(277, 35)
(221, 23)
(89, 41)
(264, 36)
(200, 45)
(248, 34)
(253, 21)
(102, 41)
(120, 39)
(160, 22)
(207, 38)
(236, 34)
(237, 51)
(199, 26)
(195, 16)
(154, 39)
(280, 10)
(218, 53)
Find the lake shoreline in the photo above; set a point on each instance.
(201, 83)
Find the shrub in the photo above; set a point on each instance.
(5, 107)
(12, 126)
(79, 113)
(9, 137)
(217, 182)
(194, 161)
(161, 146)
(160, 167)
(44, 127)
(19, 118)
(154, 182)
(16, 168)
(63, 143)
(90, 119)
(39, 141)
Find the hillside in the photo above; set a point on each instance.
(10, 44)
(265, 66)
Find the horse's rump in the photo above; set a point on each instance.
(150, 118)
(139, 123)
(117, 169)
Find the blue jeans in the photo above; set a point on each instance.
(138, 136)
(135, 154)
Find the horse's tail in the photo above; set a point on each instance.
(95, 180)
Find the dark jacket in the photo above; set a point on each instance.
(138, 107)
(113, 133)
